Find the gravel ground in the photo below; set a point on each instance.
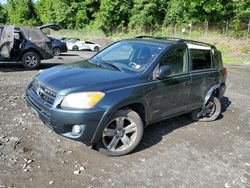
(174, 153)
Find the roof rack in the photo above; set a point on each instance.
(179, 40)
(164, 38)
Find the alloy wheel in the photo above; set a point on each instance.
(119, 134)
(31, 61)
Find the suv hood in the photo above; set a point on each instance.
(84, 76)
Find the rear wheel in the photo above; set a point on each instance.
(57, 51)
(96, 49)
(31, 60)
(122, 134)
(75, 48)
(210, 112)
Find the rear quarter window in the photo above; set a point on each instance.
(218, 59)
(1, 31)
(201, 59)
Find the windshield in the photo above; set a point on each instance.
(133, 56)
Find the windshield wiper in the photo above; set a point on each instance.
(101, 62)
(113, 65)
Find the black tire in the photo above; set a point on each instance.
(96, 49)
(75, 48)
(57, 51)
(114, 134)
(211, 111)
(31, 60)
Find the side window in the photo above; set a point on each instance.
(201, 59)
(177, 59)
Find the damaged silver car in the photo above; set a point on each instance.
(24, 44)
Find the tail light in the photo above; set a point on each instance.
(225, 70)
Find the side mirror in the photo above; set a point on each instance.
(163, 72)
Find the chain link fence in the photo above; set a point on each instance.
(227, 28)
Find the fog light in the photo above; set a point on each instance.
(76, 129)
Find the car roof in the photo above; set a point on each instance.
(151, 41)
(192, 44)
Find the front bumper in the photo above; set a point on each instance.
(62, 121)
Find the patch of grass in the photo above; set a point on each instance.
(225, 49)
(232, 60)
(81, 34)
(245, 49)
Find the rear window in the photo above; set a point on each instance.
(34, 35)
(201, 59)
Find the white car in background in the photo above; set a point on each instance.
(82, 45)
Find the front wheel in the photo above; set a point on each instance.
(122, 134)
(210, 112)
(31, 60)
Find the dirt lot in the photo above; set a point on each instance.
(173, 153)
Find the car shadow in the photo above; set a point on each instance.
(154, 133)
(17, 67)
(68, 55)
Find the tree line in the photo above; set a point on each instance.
(109, 14)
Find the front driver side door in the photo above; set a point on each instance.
(170, 94)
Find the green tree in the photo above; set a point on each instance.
(21, 12)
(3, 15)
(113, 14)
(177, 12)
(215, 11)
(67, 14)
(148, 13)
(242, 10)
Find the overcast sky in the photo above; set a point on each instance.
(3, 1)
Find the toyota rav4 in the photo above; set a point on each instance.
(109, 99)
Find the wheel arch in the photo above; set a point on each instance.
(137, 106)
(213, 91)
(31, 50)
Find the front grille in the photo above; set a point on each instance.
(43, 92)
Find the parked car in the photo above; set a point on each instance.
(70, 41)
(24, 44)
(58, 46)
(83, 45)
(109, 99)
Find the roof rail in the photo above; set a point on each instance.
(179, 40)
(198, 43)
(164, 38)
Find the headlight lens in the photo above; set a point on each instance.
(85, 100)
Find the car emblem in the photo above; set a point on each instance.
(39, 91)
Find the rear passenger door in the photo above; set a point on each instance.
(204, 76)
(170, 94)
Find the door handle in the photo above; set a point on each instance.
(188, 82)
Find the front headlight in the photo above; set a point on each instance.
(85, 100)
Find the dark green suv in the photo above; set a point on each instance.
(109, 99)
